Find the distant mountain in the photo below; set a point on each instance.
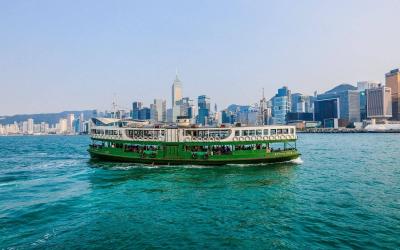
(50, 118)
(341, 88)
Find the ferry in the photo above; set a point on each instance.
(145, 143)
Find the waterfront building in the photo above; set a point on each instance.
(70, 123)
(81, 123)
(393, 82)
(281, 105)
(299, 116)
(44, 127)
(326, 109)
(348, 99)
(25, 127)
(30, 126)
(363, 105)
(62, 126)
(158, 110)
(136, 107)
(362, 86)
(36, 128)
(379, 103)
(204, 104)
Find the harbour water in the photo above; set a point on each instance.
(344, 192)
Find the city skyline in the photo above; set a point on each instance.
(57, 56)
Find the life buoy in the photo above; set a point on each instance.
(211, 139)
(266, 137)
(259, 138)
(241, 138)
(247, 138)
(235, 139)
(217, 138)
(253, 138)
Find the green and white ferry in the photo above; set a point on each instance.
(142, 142)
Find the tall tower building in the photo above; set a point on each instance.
(136, 107)
(70, 123)
(393, 81)
(176, 91)
(30, 126)
(379, 104)
(203, 103)
(158, 110)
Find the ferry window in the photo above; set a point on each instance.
(258, 132)
(252, 132)
(237, 133)
(266, 132)
(245, 132)
(285, 131)
(279, 131)
(292, 131)
(273, 131)
(162, 132)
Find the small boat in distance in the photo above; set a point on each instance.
(142, 142)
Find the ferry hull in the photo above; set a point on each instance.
(272, 158)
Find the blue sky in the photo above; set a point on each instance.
(72, 55)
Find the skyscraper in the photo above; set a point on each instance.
(176, 91)
(393, 81)
(136, 106)
(30, 126)
(203, 102)
(379, 103)
(281, 105)
(70, 123)
(158, 111)
(348, 100)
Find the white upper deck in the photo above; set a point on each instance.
(201, 134)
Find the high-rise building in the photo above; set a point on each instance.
(362, 86)
(136, 106)
(158, 111)
(62, 126)
(379, 103)
(176, 91)
(30, 126)
(281, 105)
(144, 114)
(326, 109)
(70, 123)
(348, 100)
(265, 112)
(203, 103)
(393, 82)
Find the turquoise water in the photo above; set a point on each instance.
(344, 193)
